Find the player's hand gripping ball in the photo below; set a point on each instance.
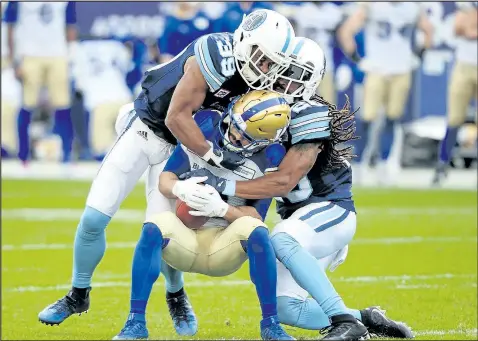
(182, 212)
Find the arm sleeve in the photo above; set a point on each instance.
(310, 124)
(71, 13)
(11, 12)
(178, 163)
(211, 60)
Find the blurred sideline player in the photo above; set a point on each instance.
(186, 23)
(99, 69)
(235, 12)
(389, 28)
(41, 36)
(207, 74)
(463, 86)
(11, 97)
(319, 22)
(252, 127)
(314, 182)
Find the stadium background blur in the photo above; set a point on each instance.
(415, 250)
(148, 33)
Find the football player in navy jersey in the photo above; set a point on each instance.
(252, 127)
(314, 186)
(208, 73)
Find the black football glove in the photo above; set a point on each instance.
(223, 159)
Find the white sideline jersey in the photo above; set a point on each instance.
(99, 71)
(11, 90)
(318, 21)
(466, 50)
(388, 34)
(40, 27)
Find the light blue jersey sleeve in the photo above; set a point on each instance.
(214, 55)
(310, 122)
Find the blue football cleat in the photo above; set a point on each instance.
(134, 328)
(182, 314)
(59, 311)
(272, 330)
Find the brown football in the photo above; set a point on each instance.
(182, 212)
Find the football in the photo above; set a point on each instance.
(182, 212)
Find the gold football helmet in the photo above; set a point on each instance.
(254, 120)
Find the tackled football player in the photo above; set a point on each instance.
(207, 73)
(314, 185)
(252, 127)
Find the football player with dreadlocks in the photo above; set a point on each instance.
(314, 183)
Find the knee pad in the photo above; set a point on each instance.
(258, 237)
(151, 235)
(93, 221)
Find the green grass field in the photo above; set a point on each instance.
(415, 254)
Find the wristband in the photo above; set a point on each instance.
(230, 188)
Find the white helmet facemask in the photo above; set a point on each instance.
(305, 72)
(262, 45)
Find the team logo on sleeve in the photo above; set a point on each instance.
(254, 20)
(221, 93)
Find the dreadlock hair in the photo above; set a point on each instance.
(342, 130)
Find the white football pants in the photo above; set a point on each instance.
(135, 150)
(322, 229)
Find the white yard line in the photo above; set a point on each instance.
(232, 283)
(468, 332)
(137, 215)
(358, 241)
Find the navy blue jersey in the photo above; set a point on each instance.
(310, 123)
(267, 160)
(213, 53)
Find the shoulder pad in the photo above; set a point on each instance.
(310, 122)
(275, 154)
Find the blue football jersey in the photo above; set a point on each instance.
(267, 160)
(179, 33)
(309, 124)
(213, 52)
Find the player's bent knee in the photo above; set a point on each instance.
(259, 237)
(93, 221)
(288, 310)
(151, 234)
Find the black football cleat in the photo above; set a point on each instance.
(381, 326)
(346, 328)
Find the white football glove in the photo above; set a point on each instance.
(188, 190)
(214, 206)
